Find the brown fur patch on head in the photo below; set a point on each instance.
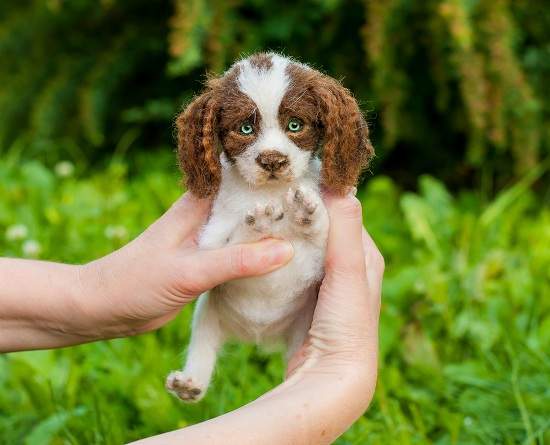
(300, 102)
(237, 108)
(346, 148)
(212, 120)
(261, 61)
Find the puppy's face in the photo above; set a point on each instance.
(268, 126)
(269, 115)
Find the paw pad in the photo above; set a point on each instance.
(302, 204)
(184, 387)
(262, 217)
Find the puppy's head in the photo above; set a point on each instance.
(270, 115)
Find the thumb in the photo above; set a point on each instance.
(216, 266)
(345, 249)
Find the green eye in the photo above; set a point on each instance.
(294, 125)
(247, 128)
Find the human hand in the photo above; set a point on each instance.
(344, 331)
(145, 284)
(340, 354)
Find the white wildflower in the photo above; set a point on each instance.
(31, 248)
(116, 232)
(64, 169)
(17, 232)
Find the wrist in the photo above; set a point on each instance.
(70, 317)
(97, 299)
(341, 394)
(84, 307)
(352, 375)
(41, 305)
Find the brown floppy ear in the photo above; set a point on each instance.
(197, 145)
(346, 146)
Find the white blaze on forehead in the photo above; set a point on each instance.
(265, 86)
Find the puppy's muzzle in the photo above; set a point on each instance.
(272, 161)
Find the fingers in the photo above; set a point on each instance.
(344, 249)
(181, 219)
(213, 267)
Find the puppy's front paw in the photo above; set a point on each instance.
(263, 217)
(302, 204)
(185, 387)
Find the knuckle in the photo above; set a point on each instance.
(239, 263)
(186, 278)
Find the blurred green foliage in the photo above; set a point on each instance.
(465, 329)
(454, 88)
(457, 88)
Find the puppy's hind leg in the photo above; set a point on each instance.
(191, 384)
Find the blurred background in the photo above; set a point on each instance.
(457, 96)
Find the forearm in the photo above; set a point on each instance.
(40, 305)
(311, 408)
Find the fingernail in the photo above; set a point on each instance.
(278, 252)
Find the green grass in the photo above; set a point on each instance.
(465, 329)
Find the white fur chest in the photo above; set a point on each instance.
(260, 308)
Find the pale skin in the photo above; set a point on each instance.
(330, 380)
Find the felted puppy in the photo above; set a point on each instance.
(262, 140)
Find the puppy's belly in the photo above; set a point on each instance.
(261, 309)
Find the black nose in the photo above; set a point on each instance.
(272, 161)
